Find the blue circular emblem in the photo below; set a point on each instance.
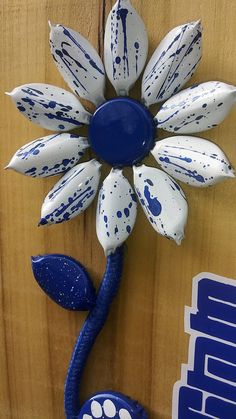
(121, 132)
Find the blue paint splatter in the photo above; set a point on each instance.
(149, 182)
(87, 56)
(187, 172)
(128, 229)
(154, 205)
(65, 182)
(60, 117)
(21, 108)
(68, 66)
(126, 211)
(186, 159)
(73, 205)
(122, 14)
(133, 197)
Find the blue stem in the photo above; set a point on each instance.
(92, 326)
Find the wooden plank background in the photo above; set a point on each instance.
(143, 343)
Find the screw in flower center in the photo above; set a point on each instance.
(121, 132)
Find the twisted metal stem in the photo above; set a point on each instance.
(92, 326)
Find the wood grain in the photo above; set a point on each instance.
(143, 343)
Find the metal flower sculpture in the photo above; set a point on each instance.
(121, 132)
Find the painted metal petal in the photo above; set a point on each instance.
(49, 155)
(65, 281)
(72, 194)
(192, 160)
(116, 211)
(197, 108)
(162, 200)
(125, 46)
(49, 106)
(173, 63)
(78, 62)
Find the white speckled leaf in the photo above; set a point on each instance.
(197, 108)
(49, 155)
(116, 211)
(125, 46)
(72, 194)
(49, 106)
(192, 160)
(173, 63)
(162, 200)
(78, 63)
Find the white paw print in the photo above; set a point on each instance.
(106, 410)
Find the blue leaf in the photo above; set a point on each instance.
(64, 280)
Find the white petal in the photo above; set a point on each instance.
(173, 63)
(125, 46)
(116, 211)
(197, 108)
(162, 200)
(49, 106)
(192, 160)
(72, 194)
(49, 155)
(109, 408)
(78, 62)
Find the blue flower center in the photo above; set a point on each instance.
(121, 132)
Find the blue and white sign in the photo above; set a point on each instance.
(207, 388)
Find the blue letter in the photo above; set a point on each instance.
(216, 376)
(190, 399)
(216, 305)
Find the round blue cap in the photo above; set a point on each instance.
(121, 132)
